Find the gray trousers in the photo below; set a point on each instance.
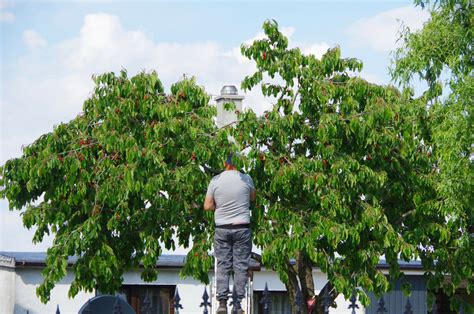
(232, 250)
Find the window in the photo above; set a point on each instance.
(280, 302)
(160, 297)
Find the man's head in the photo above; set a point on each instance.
(229, 165)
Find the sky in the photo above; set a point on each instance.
(50, 49)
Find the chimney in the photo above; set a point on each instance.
(228, 94)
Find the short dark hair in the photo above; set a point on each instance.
(229, 159)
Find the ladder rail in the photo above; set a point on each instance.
(248, 296)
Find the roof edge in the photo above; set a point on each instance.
(7, 261)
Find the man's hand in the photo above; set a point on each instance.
(209, 203)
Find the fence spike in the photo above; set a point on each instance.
(299, 300)
(353, 305)
(146, 309)
(266, 300)
(381, 309)
(205, 301)
(57, 310)
(176, 299)
(117, 306)
(408, 309)
(325, 300)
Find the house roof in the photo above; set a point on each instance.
(29, 259)
(411, 265)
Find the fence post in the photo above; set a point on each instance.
(146, 304)
(266, 300)
(117, 306)
(461, 309)
(205, 301)
(176, 299)
(408, 309)
(353, 304)
(57, 310)
(381, 308)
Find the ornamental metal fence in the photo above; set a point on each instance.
(265, 303)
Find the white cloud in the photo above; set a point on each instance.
(380, 32)
(32, 39)
(14, 237)
(370, 77)
(5, 4)
(6, 17)
(317, 49)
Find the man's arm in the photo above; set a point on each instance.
(209, 203)
(253, 195)
(253, 192)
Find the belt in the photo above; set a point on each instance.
(231, 226)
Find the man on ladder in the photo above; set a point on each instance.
(229, 194)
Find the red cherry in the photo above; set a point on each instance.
(264, 55)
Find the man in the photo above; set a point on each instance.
(230, 194)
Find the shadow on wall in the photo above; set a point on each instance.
(18, 309)
(34, 277)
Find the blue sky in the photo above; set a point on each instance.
(50, 49)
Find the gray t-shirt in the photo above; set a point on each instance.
(231, 192)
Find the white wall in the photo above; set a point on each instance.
(7, 294)
(23, 296)
(26, 282)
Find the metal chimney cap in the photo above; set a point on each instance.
(229, 90)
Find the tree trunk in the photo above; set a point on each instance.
(292, 288)
(300, 276)
(305, 275)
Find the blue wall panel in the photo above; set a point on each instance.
(395, 301)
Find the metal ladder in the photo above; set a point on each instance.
(248, 300)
